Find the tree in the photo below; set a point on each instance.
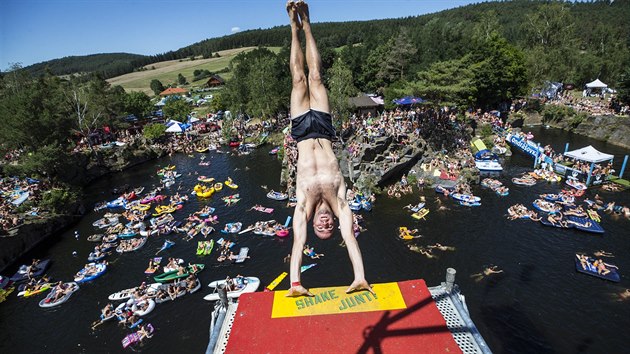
(90, 106)
(15, 79)
(260, 83)
(550, 37)
(623, 87)
(217, 103)
(399, 53)
(341, 86)
(137, 103)
(154, 131)
(34, 113)
(499, 71)
(156, 86)
(266, 95)
(176, 108)
(369, 76)
(445, 83)
(487, 27)
(181, 79)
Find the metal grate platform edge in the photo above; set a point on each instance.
(452, 306)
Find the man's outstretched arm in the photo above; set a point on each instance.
(299, 239)
(345, 224)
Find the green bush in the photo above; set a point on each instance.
(280, 154)
(553, 113)
(154, 131)
(48, 160)
(485, 131)
(24, 207)
(517, 115)
(488, 141)
(59, 200)
(577, 119)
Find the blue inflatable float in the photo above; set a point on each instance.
(590, 269)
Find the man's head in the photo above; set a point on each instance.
(323, 222)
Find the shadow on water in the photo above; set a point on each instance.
(525, 275)
(514, 331)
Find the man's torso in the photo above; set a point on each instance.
(318, 175)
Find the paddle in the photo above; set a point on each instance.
(246, 230)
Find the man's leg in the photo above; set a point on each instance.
(317, 91)
(299, 91)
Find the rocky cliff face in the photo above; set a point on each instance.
(88, 168)
(373, 166)
(611, 129)
(16, 243)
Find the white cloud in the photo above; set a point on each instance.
(236, 29)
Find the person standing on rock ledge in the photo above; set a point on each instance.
(320, 188)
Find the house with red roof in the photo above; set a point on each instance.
(174, 91)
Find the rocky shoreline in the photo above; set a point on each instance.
(30, 234)
(85, 169)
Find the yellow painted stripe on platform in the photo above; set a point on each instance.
(277, 281)
(334, 300)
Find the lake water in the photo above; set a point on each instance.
(539, 304)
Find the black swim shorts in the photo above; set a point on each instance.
(311, 125)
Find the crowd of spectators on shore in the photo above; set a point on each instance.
(10, 190)
(594, 106)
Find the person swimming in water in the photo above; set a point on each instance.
(441, 247)
(486, 272)
(602, 253)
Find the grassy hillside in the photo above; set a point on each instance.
(167, 71)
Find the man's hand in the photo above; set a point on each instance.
(299, 290)
(360, 284)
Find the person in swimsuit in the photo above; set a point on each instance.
(486, 272)
(320, 188)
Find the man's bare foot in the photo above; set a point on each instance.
(293, 16)
(302, 10)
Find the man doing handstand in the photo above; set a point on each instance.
(320, 188)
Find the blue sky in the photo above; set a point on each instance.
(32, 31)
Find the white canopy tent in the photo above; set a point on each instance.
(175, 128)
(589, 154)
(171, 122)
(596, 84)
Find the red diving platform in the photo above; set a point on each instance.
(401, 318)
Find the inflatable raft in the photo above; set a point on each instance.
(585, 224)
(591, 269)
(48, 300)
(250, 284)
